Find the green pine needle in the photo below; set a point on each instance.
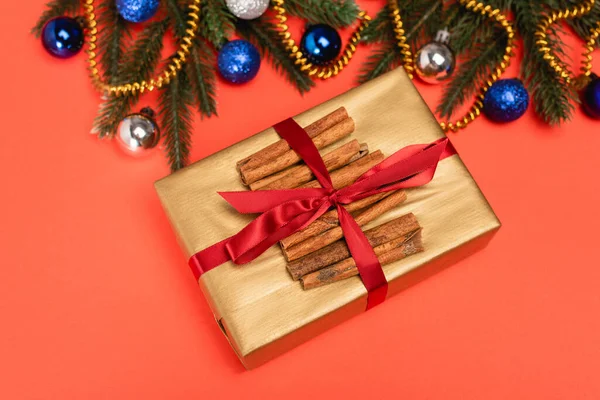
(265, 35)
(472, 72)
(552, 98)
(55, 8)
(379, 62)
(216, 22)
(201, 72)
(582, 26)
(380, 29)
(112, 40)
(337, 13)
(138, 64)
(176, 102)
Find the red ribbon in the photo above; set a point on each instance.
(284, 212)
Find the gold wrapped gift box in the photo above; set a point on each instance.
(248, 300)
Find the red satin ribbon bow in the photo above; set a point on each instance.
(284, 212)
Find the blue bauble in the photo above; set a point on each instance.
(137, 10)
(506, 100)
(239, 61)
(62, 37)
(321, 44)
(590, 98)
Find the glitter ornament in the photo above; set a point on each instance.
(62, 37)
(238, 61)
(321, 44)
(435, 61)
(590, 98)
(247, 9)
(506, 100)
(137, 10)
(138, 133)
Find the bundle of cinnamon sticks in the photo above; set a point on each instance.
(318, 254)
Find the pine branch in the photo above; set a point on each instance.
(112, 38)
(582, 26)
(176, 101)
(138, 64)
(202, 76)
(380, 29)
(55, 8)
(552, 98)
(379, 62)
(264, 34)
(199, 68)
(473, 70)
(216, 22)
(337, 13)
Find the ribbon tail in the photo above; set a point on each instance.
(366, 260)
(263, 200)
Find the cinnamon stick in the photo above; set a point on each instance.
(386, 254)
(290, 157)
(338, 251)
(329, 220)
(347, 175)
(281, 146)
(296, 176)
(315, 243)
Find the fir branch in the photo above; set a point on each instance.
(201, 73)
(265, 35)
(552, 98)
(379, 62)
(583, 26)
(380, 29)
(138, 64)
(176, 101)
(337, 13)
(216, 22)
(473, 70)
(111, 40)
(200, 66)
(55, 8)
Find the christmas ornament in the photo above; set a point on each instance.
(138, 133)
(137, 10)
(321, 44)
(247, 9)
(435, 62)
(590, 97)
(238, 61)
(62, 37)
(506, 100)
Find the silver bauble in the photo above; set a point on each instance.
(247, 9)
(434, 62)
(138, 133)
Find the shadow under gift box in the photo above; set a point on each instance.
(260, 309)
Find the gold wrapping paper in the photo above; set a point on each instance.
(260, 309)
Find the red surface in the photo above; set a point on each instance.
(97, 301)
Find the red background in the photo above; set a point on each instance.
(97, 301)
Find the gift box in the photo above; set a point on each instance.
(260, 309)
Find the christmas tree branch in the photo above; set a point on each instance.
(176, 101)
(203, 78)
(55, 8)
(264, 34)
(337, 13)
(216, 22)
(551, 96)
(380, 29)
(138, 64)
(379, 62)
(111, 40)
(473, 70)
